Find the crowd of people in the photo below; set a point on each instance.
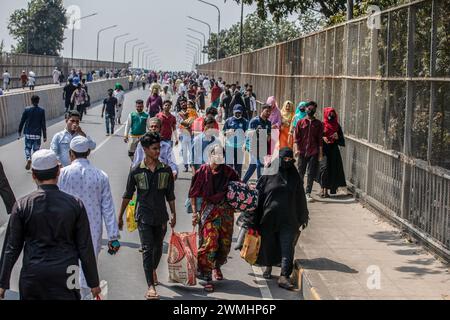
(28, 80)
(217, 128)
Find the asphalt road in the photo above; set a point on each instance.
(124, 272)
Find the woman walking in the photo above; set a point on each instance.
(275, 115)
(287, 115)
(332, 174)
(282, 211)
(215, 217)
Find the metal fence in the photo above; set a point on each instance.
(391, 88)
(43, 66)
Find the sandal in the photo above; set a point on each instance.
(218, 274)
(267, 273)
(209, 288)
(152, 295)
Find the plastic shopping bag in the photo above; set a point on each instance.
(183, 258)
(103, 294)
(131, 220)
(252, 244)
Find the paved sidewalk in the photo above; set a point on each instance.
(345, 243)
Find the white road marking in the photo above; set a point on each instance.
(262, 283)
(107, 139)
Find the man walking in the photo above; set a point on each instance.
(119, 94)
(309, 146)
(6, 80)
(61, 141)
(68, 91)
(34, 127)
(91, 185)
(52, 228)
(79, 98)
(234, 129)
(168, 124)
(109, 105)
(24, 79)
(166, 155)
(258, 142)
(155, 186)
(56, 74)
(135, 128)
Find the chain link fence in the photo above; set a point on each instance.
(391, 88)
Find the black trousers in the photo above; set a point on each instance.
(312, 164)
(288, 242)
(80, 109)
(152, 238)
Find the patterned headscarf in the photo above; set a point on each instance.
(287, 114)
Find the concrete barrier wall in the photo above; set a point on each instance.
(12, 106)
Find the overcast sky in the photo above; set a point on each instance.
(160, 24)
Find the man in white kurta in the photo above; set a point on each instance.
(91, 186)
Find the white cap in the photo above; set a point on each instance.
(44, 160)
(80, 144)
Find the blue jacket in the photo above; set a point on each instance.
(33, 119)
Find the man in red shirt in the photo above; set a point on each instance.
(308, 146)
(168, 124)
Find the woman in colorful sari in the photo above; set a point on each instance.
(332, 174)
(215, 217)
(300, 114)
(215, 95)
(287, 115)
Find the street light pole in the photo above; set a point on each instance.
(199, 41)
(114, 48)
(125, 49)
(143, 54)
(73, 30)
(98, 37)
(218, 29)
(209, 30)
(241, 40)
(192, 51)
(196, 46)
(204, 41)
(349, 10)
(139, 56)
(132, 54)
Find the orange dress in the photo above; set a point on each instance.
(284, 136)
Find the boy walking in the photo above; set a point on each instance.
(109, 105)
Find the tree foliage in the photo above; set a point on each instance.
(259, 33)
(280, 9)
(40, 27)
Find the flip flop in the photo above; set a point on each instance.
(209, 288)
(218, 274)
(152, 296)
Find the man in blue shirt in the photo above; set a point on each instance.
(258, 141)
(234, 130)
(61, 141)
(34, 127)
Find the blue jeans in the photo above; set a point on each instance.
(255, 165)
(31, 146)
(109, 121)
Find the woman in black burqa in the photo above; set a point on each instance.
(281, 215)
